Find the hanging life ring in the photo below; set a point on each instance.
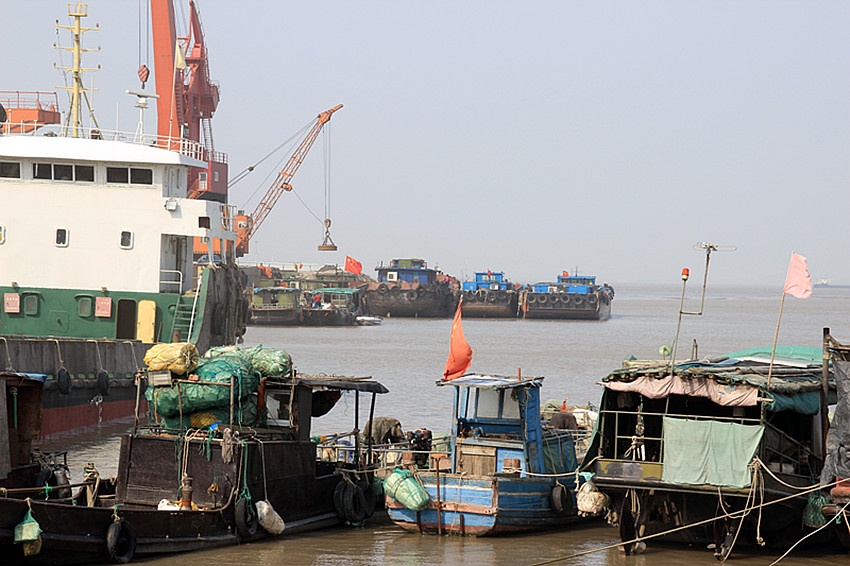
(63, 381)
(246, 518)
(120, 542)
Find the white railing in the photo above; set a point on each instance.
(171, 281)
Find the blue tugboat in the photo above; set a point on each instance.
(490, 295)
(570, 297)
(409, 288)
(506, 471)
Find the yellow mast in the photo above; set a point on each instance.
(77, 11)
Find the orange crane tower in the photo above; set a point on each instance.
(247, 226)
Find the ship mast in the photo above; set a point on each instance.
(76, 11)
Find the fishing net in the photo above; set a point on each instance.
(267, 361)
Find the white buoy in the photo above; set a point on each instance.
(269, 519)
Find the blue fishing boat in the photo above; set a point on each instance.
(489, 295)
(506, 472)
(570, 297)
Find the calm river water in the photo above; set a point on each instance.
(408, 357)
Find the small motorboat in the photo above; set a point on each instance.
(369, 320)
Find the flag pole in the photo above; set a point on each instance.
(775, 340)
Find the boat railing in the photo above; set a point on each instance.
(170, 281)
(385, 457)
(187, 147)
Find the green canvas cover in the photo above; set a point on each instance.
(709, 452)
(268, 361)
(167, 400)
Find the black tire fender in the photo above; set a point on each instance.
(63, 381)
(120, 542)
(382, 288)
(578, 300)
(561, 500)
(531, 299)
(103, 383)
(354, 502)
(339, 493)
(370, 496)
(245, 515)
(542, 299)
(591, 299)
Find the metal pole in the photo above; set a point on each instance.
(824, 393)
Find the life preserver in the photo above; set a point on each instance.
(120, 542)
(354, 503)
(561, 500)
(103, 383)
(245, 515)
(382, 288)
(63, 381)
(531, 298)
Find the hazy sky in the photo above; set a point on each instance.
(526, 137)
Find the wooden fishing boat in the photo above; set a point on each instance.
(489, 295)
(573, 297)
(180, 487)
(506, 472)
(712, 451)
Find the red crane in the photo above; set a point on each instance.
(187, 97)
(247, 226)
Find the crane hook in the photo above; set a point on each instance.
(327, 244)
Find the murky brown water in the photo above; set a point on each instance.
(408, 357)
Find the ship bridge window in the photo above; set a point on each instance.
(84, 173)
(42, 171)
(85, 306)
(10, 169)
(141, 176)
(126, 240)
(63, 172)
(62, 237)
(117, 175)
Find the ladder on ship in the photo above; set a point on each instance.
(184, 317)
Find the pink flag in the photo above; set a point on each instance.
(798, 282)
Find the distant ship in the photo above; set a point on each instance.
(409, 288)
(489, 295)
(822, 283)
(570, 297)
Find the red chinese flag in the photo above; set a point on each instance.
(352, 265)
(460, 354)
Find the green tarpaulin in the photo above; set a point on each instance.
(709, 452)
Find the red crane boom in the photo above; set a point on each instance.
(250, 226)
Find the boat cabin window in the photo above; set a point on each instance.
(85, 306)
(126, 240)
(84, 173)
(10, 169)
(134, 175)
(31, 304)
(62, 237)
(62, 172)
(492, 404)
(42, 171)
